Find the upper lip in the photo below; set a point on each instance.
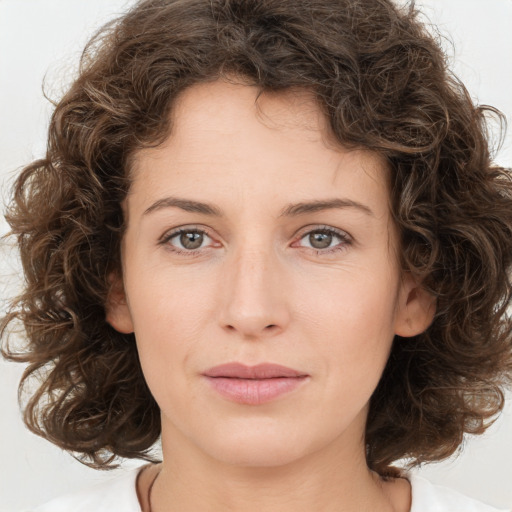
(260, 371)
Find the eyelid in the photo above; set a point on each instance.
(323, 227)
(183, 227)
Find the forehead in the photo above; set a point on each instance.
(293, 109)
(233, 136)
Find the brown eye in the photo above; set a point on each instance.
(191, 239)
(320, 240)
(187, 240)
(325, 240)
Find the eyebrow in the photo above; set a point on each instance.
(292, 210)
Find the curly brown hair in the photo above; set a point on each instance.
(383, 82)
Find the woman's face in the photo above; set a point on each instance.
(252, 240)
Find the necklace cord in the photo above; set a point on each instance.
(150, 489)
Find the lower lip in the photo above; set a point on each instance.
(254, 391)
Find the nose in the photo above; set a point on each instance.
(253, 298)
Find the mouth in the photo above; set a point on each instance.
(254, 385)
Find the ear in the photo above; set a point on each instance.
(117, 311)
(415, 309)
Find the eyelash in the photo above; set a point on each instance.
(345, 240)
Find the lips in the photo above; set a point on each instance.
(253, 385)
(260, 371)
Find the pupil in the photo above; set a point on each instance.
(191, 239)
(320, 240)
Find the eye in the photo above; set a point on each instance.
(187, 240)
(191, 240)
(325, 240)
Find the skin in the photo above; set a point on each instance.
(260, 288)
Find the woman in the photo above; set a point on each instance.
(270, 233)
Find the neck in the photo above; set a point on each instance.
(332, 480)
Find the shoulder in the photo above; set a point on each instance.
(118, 494)
(428, 497)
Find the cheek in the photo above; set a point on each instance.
(351, 322)
(357, 304)
(170, 311)
(163, 298)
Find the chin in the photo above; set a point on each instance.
(253, 448)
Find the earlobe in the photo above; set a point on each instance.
(415, 309)
(117, 311)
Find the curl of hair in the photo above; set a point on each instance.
(383, 83)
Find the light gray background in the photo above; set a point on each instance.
(45, 37)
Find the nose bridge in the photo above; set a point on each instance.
(254, 303)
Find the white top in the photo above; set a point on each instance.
(120, 495)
